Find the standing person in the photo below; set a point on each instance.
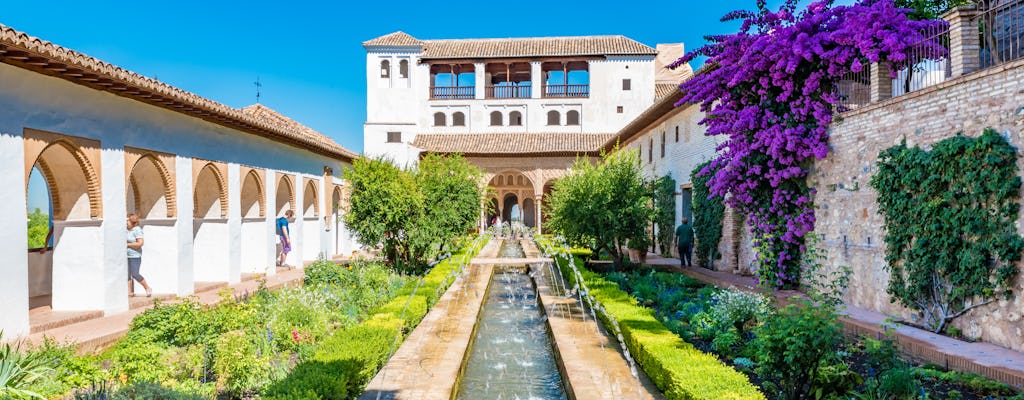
(684, 242)
(135, 256)
(284, 235)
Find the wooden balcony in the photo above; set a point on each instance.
(452, 92)
(508, 92)
(566, 91)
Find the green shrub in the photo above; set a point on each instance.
(790, 346)
(240, 368)
(312, 380)
(18, 370)
(323, 272)
(135, 359)
(834, 380)
(680, 370)
(300, 314)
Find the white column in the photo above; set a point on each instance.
(270, 234)
(14, 260)
(536, 80)
(480, 81)
(114, 237)
(326, 211)
(234, 223)
(537, 207)
(186, 209)
(296, 226)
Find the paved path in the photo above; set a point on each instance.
(986, 359)
(100, 332)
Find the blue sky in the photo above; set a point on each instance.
(309, 56)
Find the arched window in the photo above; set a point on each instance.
(439, 119)
(459, 119)
(554, 118)
(515, 118)
(572, 117)
(496, 118)
(403, 69)
(385, 69)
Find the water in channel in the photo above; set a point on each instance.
(511, 356)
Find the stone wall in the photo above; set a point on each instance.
(847, 216)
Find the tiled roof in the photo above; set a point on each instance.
(277, 119)
(517, 47)
(24, 51)
(664, 89)
(512, 143)
(394, 39)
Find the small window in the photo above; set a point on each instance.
(439, 119)
(554, 118)
(662, 144)
(650, 150)
(618, 109)
(515, 118)
(403, 69)
(459, 119)
(385, 69)
(572, 117)
(496, 118)
(626, 84)
(677, 133)
(394, 137)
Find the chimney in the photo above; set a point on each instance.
(669, 53)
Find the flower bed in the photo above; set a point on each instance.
(323, 340)
(680, 370)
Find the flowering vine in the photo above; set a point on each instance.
(771, 89)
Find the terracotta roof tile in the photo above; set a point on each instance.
(664, 89)
(511, 143)
(277, 119)
(398, 38)
(517, 47)
(22, 50)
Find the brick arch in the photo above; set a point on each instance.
(165, 177)
(340, 195)
(286, 180)
(92, 189)
(221, 186)
(261, 199)
(311, 184)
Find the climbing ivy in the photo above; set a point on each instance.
(708, 211)
(665, 210)
(950, 213)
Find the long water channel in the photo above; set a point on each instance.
(511, 355)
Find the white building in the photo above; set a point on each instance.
(207, 180)
(520, 108)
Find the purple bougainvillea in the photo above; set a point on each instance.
(771, 89)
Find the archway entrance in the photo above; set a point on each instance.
(150, 195)
(310, 221)
(515, 192)
(335, 221)
(210, 227)
(66, 271)
(255, 254)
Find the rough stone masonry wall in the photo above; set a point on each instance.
(847, 215)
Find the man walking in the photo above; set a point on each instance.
(684, 242)
(284, 236)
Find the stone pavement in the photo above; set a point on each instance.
(986, 359)
(99, 332)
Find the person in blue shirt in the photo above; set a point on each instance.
(284, 236)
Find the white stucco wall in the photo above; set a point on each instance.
(160, 256)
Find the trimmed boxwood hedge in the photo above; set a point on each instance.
(680, 370)
(344, 363)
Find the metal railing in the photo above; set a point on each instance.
(452, 92)
(930, 58)
(566, 90)
(509, 92)
(1004, 42)
(854, 90)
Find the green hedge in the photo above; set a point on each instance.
(680, 370)
(345, 362)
